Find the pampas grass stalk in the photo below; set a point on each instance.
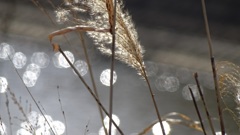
(213, 66)
(112, 9)
(92, 79)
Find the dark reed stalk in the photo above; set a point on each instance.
(198, 113)
(112, 9)
(204, 104)
(213, 66)
(88, 88)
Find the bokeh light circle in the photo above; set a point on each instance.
(186, 92)
(29, 78)
(19, 60)
(63, 62)
(105, 77)
(58, 127)
(157, 130)
(41, 59)
(81, 67)
(34, 68)
(6, 51)
(167, 83)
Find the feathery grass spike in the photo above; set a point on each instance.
(110, 8)
(229, 87)
(128, 49)
(98, 27)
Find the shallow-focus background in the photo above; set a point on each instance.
(173, 36)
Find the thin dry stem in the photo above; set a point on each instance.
(204, 103)
(154, 102)
(112, 9)
(92, 79)
(213, 66)
(198, 113)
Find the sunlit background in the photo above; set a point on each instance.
(171, 32)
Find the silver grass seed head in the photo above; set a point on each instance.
(127, 46)
(62, 15)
